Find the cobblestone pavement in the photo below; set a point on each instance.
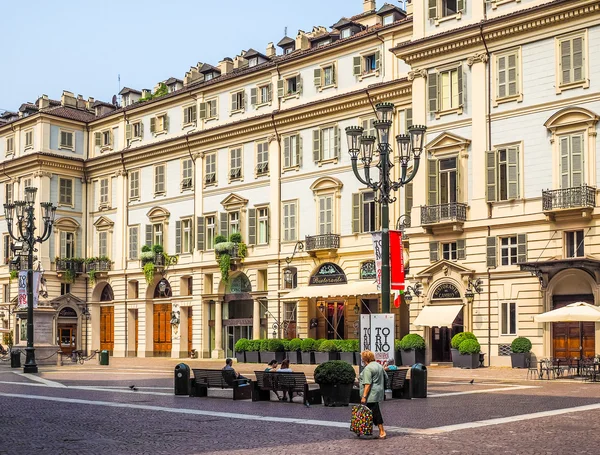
(90, 409)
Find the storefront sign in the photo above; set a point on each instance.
(446, 291)
(328, 273)
(377, 335)
(22, 297)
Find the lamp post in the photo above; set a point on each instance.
(410, 147)
(24, 211)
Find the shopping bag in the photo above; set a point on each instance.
(361, 422)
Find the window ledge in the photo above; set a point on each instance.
(291, 96)
(28, 147)
(259, 105)
(102, 207)
(134, 199)
(9, 154)
(328, 161)
(187, 125)
(158, 133)
(325, 87)
(458, 111)
(208, 185)
(71, 206)
(374, 73)
(291, 168)
(65, 147)
(439, 20)
(105, 148)
(237, 111)
(579, 84)
(185, 190)
(237, 179)
(135, 139)
(161, 194)
(262, 174)
(211, 119)
(508, 99)
(497, 3)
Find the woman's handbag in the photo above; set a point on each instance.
(361, 422)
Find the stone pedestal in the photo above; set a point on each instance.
(44, 338)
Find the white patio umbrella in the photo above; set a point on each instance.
(573, 312)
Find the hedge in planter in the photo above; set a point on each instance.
(328, 350)
(241, 346)
(294, 348)
(412, 347)
(335, 379)
(346, 350)
(469, 353)
(308, 348)
(252, 354)
(520, 356)
(455, 343)
(272, 349)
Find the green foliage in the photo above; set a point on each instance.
(520, 345)
(92, 275)
(347, 345)
(162, 90)
(147, 256)
(253, 345)
(149, 272)
(295, 344)
(146, 248)
(8, 339)
(318, 343)
(308, 344)
(335, 372)
(242, 250)
(328, 346)
(353, 345)
(241, 345)
(412, 341)
(397, 344)
(170, 260)
(460, 337)
(286, 345)
(69, 276)
(469, 346)
(220, 239)
(14, 274)
(158, 248)
(275, 345)
(236, 237)
(224, 247)
(263, 345)
(225, 266)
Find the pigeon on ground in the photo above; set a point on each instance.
(135, 389)
(471, 381)
(131, 387)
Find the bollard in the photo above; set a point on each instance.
(59, 359)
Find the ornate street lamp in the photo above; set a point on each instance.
(472, 287)
(410, 290)
(24, 211)
(410, 147)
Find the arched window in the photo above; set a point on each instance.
(163, 290)
(107, 294)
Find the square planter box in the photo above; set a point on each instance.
(412, 357)
(322, 357)
(293, 356)
(520, 359)
(348, 357)
(252, 357)
(308, 358)
(470, 361)
(267, 356)
(240, 356)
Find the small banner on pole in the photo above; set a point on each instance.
(377, 335)
(396, 261)
(376, 236)
(22, 297)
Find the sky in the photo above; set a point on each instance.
(83, 45)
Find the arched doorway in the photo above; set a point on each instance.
(67, 329)
(238, 305)
(162, 319)
(107, 319)
(445, 293)
(331, 311)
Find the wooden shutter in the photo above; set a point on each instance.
(408, 198)
(522, 248)
(141, 129)
(152, 124)
(461, 89)
(298, 140)
(432, 9)
(193, 114)
(149, 235)
(565, 61)
(491, 252)
(63, 244)
(166, 123)
(357, 66)
(434, 251)
(578, 58)
(564, 162)
(127, 132)
(461, 252)
(287, 158)
(280, 88)
(577, 160)
(203, 110)
(269, 92)
(432, 182)
(356, 213)
(336, 142)
(460, 5)
(178, 237)
(298, 84)
(513, 172)
(251, 226)
(97, 139)
(253, 96)
(408, 120)
(333, 74)
(200, 233)
(513, 74)
(223, 221)
(268, 226)
(316, 146)
(186, 117)
(432, 92)
(377, 60)
(501, 76)
(490, 160)
(317, 77)
(234, 103)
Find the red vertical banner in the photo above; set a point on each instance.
(396, 261)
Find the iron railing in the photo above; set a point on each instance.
(322, 242)
(99, 266)
(233, 252)
(454, 211)
(62, 265)
(569, 198)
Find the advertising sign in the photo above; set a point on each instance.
(22, 297)
(377, 335)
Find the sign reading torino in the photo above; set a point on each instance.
(377, 335)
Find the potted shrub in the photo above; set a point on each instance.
(520, 352)
(263, 350)
(272, 349)
(413, 349)
(241, 346)
(469, 353)
(455, 343)
(252, 351)
(328, 350)
(293, 352)
(346, 351)
(335, 379)
(308, 351)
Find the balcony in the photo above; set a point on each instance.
(235, 250)
(324, 243)
(66, 264)
(444, 216)
(578, 202)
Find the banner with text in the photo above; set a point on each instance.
(22, 297)
(376, 236)
(377, 335)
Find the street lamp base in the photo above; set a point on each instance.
(30, 368)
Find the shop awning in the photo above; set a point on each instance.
(438, 315)
(353, 288)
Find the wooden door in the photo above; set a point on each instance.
(67, 335)
(107, 328)
(162, 330)
(569, 339)
(189, 327)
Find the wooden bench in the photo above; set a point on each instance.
(267, 382)
(397, 383)
(220, 379)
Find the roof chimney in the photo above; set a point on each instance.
(43, 102)
(89, 103)
(68, 99)
(226, 65)
(302, 40)
(80, 102)
(369, 5)
(271, 50)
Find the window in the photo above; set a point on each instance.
(28, 139)
(326, 214)
(572, 60)
(449, 251)
(288, 50)
(574, 244)
(134, 238)
(507, 75)
(189, 115)
(289, 221)
(103, 139)
(262, 158)
(157, 234)
(326, 144)
(291, 151)
(134, 184)
(508, 250)
(346, 33)
(328, 76)
(210, 168)
(134, 131)
(366, 64)
(261, 95)
(7, 251)
(442, 181)
(234, 222)
(289, 311)
(325, 76)
(263, 225)
(103, 243)
(187, 174)
(408, 201)
(438, 9)
(159, 179)
(238, 101)
(364, 212)
(290, 278)
(508, 315)
(10, 145)
(8, 193)
(571, 160)
(445, 90)
(67, 244)
(389, 19)
(186, 227)
(159, 124)
(503, 174)
(253, 62)
(66, 140)
(65, 196)
(104, 192)
(235, 170)
(210, 232)
(368, 127)
(209, 76)
(106, 138)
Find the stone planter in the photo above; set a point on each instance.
(336, 394)
(308, 358)
(520, 359)
(252, 357)
(348, 357)
(240, 356)
(470, 361)
(322, 357)
(267, 356)
(295, 357)
(412, 357)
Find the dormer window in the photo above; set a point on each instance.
(253, 62)
(346, 33)
(125, 100)
(324, 43)
(209, 76)
(389, 19)
(172, 88)
(288, 50)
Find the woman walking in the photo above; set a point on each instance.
(372, 388)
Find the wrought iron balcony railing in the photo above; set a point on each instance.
(569, 198)
(454, 211)
(75, 265)
(102, 265)
(322, 242)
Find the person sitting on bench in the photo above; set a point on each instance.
(229, 366)
(271, 366)
(285, 368)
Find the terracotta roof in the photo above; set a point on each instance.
(254, 53)
(286, 41)
(126, 90)
(71, 114)
(102, 103)
(173, 80)
(28, 106)
(361, 15)
(206, 68)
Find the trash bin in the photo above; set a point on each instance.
(418, 381)
(104, 357)
(15, 359)
(182, 379)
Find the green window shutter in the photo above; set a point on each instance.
(461, 89)
(298, 84)
(432, 181)
(432, 91)
(287, 159)
(408, 198)
(97, 139)
(490, 159)
(269, 92)
(565, 61)
(356, 213)
(513, 172)
(522, 248)
(166, 123)
(377, 60)
(178, 237)
(432, 9)
(501, 76)
(194, 113)
(434, 251)
(316, 146)
(234, 103)
(280, 88)
(460, 5)
(513, 74)
(203, 110)
(337, 142)
(223, 222)
(461, 251)
(186, 118)
(149, 235)
(200, 233)
(577, 160)
(253, 96)
(251, 226)
(409, 120)
(491, 252)
(268, 225)
(564, 162)
(578, 58)
(152, 124)
(141, 129)
(128, 132)
(357, 66)
(317, 77)
(298, 139)
(63, 244)
(333, 74)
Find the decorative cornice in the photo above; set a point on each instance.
(412, 75)
(42, 174)
(479, 57)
